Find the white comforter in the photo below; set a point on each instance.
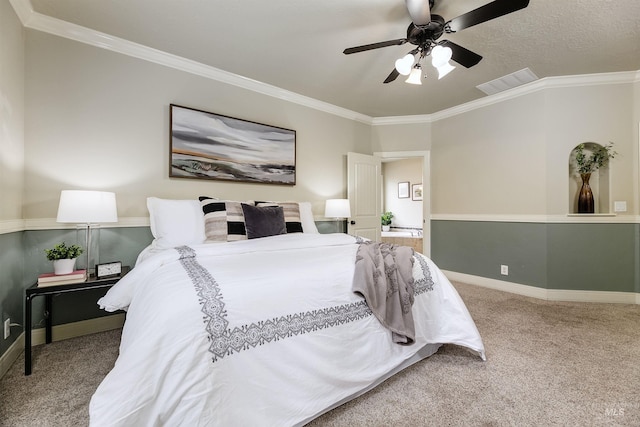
(262, 332)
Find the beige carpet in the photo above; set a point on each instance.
(565, 364)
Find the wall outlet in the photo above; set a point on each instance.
(620, 206)
(7, 328)
(504, 270)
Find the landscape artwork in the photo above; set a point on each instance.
(212, 146)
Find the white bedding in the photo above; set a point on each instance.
(262, 332)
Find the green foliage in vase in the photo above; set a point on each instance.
(62, 251)
(386, 218)
(599, 157)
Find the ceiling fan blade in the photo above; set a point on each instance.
(356, 49)
(485, 13)
(461, 55)
(391, 77)
(419, 11)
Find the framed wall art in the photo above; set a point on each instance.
(416, 192)
(212, 146)
(403, 190)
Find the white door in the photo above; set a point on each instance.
(364, 189)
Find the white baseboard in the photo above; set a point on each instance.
(59, 333)
(546, 294)
(11, 355)
(77, 329)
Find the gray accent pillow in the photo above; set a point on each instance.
(263, 221)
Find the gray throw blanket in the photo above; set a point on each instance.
(383, 276)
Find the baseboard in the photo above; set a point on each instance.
(546, 294)
(59, 333)
(11, 355)
(499, 285)
(77, 329)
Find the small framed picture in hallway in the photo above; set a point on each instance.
(416, 192)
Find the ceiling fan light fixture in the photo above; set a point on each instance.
(440, 55)
(415, 78)
(445, 69)
(404, 64)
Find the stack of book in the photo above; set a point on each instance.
(52, 279)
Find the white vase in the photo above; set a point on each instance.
(386, 227)
(64, 266)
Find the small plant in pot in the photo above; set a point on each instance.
(385, 219)
(63, 257)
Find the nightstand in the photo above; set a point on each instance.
(49, 292)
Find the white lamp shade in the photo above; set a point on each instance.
(87, 207)
(415, 76)
(337, 208)
(445, 69)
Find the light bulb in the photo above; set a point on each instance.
(404, 64)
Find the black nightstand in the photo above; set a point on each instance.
(49, 292)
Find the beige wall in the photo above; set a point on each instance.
(11, 113)
(100, 120)
(511, 158)
(401, 137)
(491, 160)
(600, 114)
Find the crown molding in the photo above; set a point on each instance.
(624, 77)
(37, 21)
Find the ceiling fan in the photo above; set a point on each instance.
(426, 28)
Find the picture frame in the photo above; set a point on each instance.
(205, 145)
(416, 192)
(403, 190)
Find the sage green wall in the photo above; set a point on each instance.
(596, 257)
(480, 247)
(12, 284)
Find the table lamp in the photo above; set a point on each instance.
(338, 209)
(88, 208)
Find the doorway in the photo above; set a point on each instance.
(412, 214)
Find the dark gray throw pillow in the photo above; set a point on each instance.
(263, 221)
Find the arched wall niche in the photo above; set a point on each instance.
(599, 182)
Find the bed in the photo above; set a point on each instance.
(226, 330)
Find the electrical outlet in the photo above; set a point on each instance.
(504, 270)
(7, 328)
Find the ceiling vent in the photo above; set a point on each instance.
(508, 82)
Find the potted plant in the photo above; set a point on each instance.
(63, 257)
(586, 164)
(385, 219)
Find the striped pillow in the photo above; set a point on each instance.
(291, 214)
(223, 220)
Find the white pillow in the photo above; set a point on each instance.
(306, 218)
(175, 222)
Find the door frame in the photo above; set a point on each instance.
(426, 185)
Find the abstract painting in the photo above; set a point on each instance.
(212, 146)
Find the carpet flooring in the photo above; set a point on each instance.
(548, 364)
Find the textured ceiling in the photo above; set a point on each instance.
(297, 44)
